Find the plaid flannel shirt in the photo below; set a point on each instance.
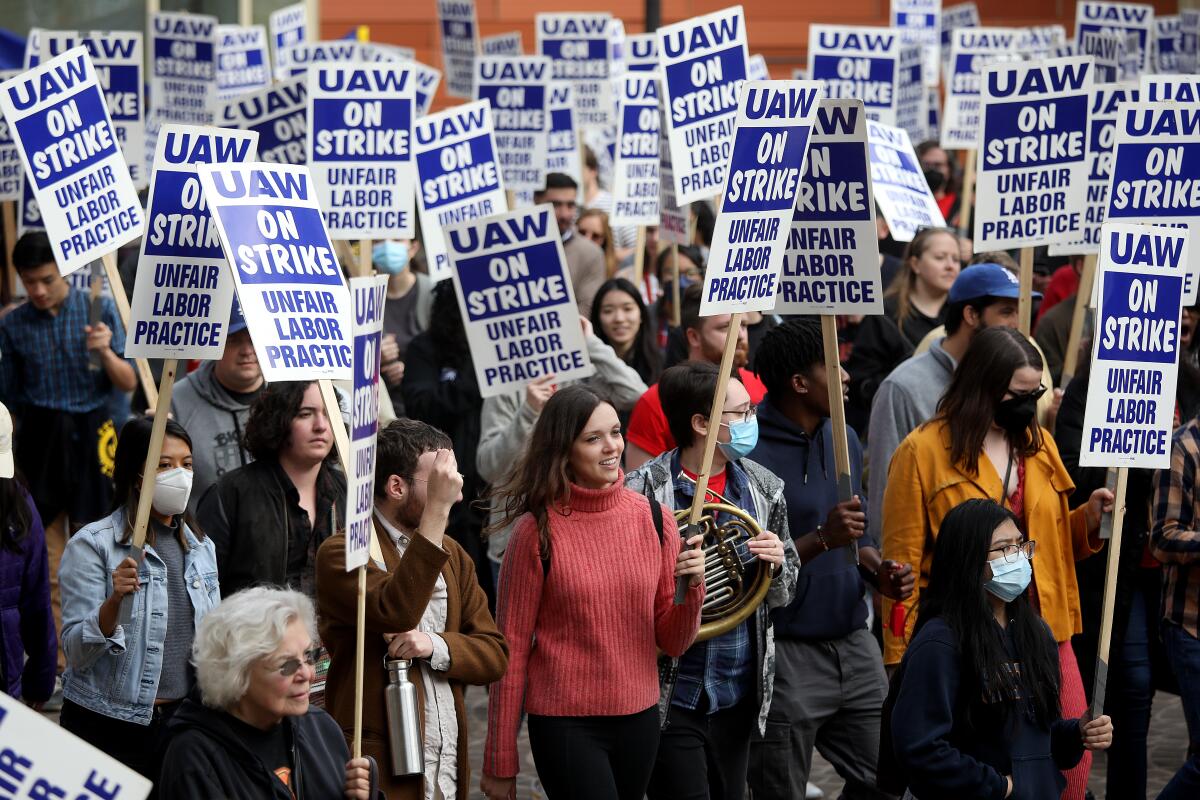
(1174, 537)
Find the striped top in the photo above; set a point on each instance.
(1174, 538)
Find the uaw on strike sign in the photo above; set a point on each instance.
(57, 116)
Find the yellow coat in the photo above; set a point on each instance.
(923, 486)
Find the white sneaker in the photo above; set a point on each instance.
(813, 792)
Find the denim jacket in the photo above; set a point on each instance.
(118, 675)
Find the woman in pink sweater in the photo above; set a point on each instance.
(588, 576)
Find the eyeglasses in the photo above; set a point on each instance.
(1009, 551)
(745, 416)
(1036, 394)
(310, 658)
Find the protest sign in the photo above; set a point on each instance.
(920, 24)
(117, 58)
(933, 113)
(970, 50)
(831, 263)
(183, 290)
(369, 296)
(578, 48)
(12, 172)
(1137, 18)
(460, 44)
(672, 220)
(517, 87)
(898, 183)
(641, 52)
(183, 76)
(756, 69)
(57, 116)
(458, 177)
(289, 27)
(510, 275)
(1167, 33)
(1107, 47)
(371, 52)
(562, 153)
(1170, 89)
(1128, 420)
(774, 122)
(42, 759)
(502, 44)
(1032, 164)
(278, 115)
(298, 58)
(636, 171)
(616, 47)
(703, 61)
(425, 84)
(1189, 41)
(360, 149)
(1039, 42)
(288, 280)
(858, 62)
(962, 15)
(242, 64)
(29, 217)
(1156, 158)
(911, 93)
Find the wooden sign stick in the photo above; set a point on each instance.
(9, 212)
(675, 313)
(1083, 296)
(109, 260)
(639, 260)
(967, 196)
(245, 12)
(1113, 522)
(1025, 312)
(837, 418)
(364, 267)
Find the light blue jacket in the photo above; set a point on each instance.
(118, 675)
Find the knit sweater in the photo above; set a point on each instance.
(600, 613)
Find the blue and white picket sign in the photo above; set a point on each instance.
(703, 61)
(831, 262)
(1170, 89)
(43, 759)
(961, 15)
(458, 175)
(289, 283)
(562, 153)
(920, 24)
(183, 73)
(756, 68)
(1165, 50)
(298, 58)
(460, 44)
(280, 117)
(117, 57)
(360, 120)
(578, 48)
(1189, 41)
(858, 62)
(800, 73)
(516, 298)
(518, 89)
(636, 190)
(970, 50)
(641, 52)
(502, 44)
(1137, 18)
(57, 116)
(12, 171)
(1156, 159)
(912, 111)
(933, 113)
(372, 52)
(369, 296)
(1039, 42)
(898, 183)
(1107, 47)
(1129, 416)
(616, 47)
(183, 290)
(1031, 168)
(774, 124)
(288, 27)
(33, 48)
(242, 61)
(672, 220)
(29, 216)
(425, 77)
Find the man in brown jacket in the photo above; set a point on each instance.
(424, 604)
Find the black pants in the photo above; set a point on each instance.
(139, 747)
(594, 758)
(704, 756)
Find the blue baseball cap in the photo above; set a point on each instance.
(237, 322)
(985, 280)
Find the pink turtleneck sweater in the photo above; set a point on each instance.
(600, 616)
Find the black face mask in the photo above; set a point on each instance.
(935, 179)
(1014, 414)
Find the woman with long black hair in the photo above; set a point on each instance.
(977, 710)
(590, 574)
(622, 321)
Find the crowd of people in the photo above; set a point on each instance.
(931, 632)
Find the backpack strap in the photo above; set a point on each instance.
(655, 511)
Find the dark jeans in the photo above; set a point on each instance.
(139, 747)
(1131, 692)
(1183, 651)
(594, 758)
(704, 756)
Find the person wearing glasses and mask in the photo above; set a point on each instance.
(254, 735)
(406, 310)
(985, 442)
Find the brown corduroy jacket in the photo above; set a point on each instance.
(396, 599)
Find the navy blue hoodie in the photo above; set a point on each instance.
(829, 595)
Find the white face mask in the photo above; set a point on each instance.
(172, 490)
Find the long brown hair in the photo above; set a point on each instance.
(541, 478)
(609, 247)
(902, 285)
(979, 384)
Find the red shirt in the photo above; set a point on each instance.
(1063, 283)
(716, 485)
(648, 424)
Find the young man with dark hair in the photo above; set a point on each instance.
(649, 435)
(424, 605)
(718, 694)
(585, 261)
(830, 683)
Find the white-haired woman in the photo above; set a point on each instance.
(255, 735)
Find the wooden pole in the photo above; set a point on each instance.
(675, 311)
(245, 12)
(1026, 301)
(362, 267)
(837, 418)
(1114, 522)
(967, 196)
(9, 213)
(109, 260)
(710, 440)
(511, 198)
(639, 261)
(1083, 296)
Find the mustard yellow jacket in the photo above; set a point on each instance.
(923, 485)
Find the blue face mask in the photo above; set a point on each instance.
(1009, 580)
(390, 257)
(743, 436)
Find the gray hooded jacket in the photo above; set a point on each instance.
(215, 421)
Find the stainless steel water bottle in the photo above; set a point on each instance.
(405, 737)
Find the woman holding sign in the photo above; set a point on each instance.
(985, 442)
(590, 573)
